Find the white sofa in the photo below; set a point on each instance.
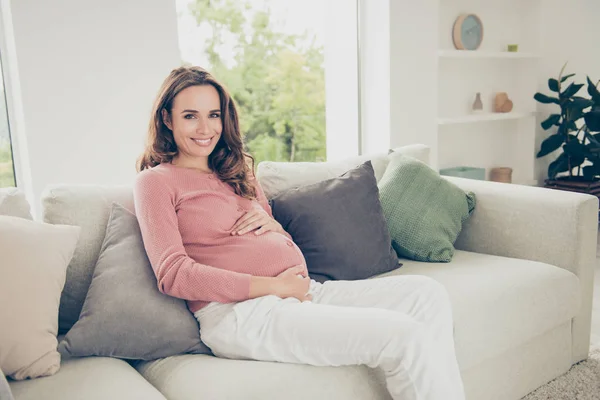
(520, 285)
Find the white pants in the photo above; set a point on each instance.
(401, 324)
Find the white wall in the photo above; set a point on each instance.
(571, 34)
(399, 74)
(375, 75)
(341, 77)
(89, 71)
(413, 73)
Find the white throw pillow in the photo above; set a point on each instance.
(34, 258)
(277, 177)
(14, 203)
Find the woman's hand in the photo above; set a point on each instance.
(258, 220)
(293, 282)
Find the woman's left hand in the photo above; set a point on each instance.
(258, 220)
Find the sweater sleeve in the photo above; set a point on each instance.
(262, 200)
(177, 274)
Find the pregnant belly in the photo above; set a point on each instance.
(265, 255)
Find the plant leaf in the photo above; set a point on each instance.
(593, 91)
(575, 114)
(590, 172)
(553, 85)
(561, 164)
(564, 78)
(542, 98)
(594, 143)
(550, 121)
(577, 160)
(575, 107)
(581, 102)
(591, 150)
(592, 120)
(571, 90)
(550, 144)
(571, 126)
(575, 150)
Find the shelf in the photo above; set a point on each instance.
(466, 119)
(484, 54)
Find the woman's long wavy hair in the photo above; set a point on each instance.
(228, 160)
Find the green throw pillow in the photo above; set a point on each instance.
(424, 211)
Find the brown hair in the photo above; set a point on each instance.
(228, 160)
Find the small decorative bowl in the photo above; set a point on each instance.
(513, 48)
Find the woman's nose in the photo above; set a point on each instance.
(202, 125)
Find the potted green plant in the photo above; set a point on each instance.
(577, 130)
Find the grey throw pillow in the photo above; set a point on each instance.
(124, 314)
(339, 226)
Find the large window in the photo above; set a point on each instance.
(290, 66)
(7, 170)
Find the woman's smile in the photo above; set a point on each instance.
(202, 142)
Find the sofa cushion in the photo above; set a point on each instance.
(187, 377)
(88, 207)
(124, 314)
(89, 378)
(35, 256)
(498, 302)
(338, 224)
(277, 177)
(14, 203)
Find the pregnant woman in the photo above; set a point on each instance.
(212, 241)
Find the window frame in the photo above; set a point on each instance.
(340, 119)
(8, 58)
(4, 99)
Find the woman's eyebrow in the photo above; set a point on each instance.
(195, 111)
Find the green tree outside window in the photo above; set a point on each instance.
(7, 176)
(277, 79)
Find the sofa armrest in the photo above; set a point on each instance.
(538, 224)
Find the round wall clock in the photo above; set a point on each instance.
(467, 32)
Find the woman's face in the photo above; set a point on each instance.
(195, 121)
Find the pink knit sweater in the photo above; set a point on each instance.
(186, 218)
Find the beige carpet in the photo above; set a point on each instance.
(582, 382)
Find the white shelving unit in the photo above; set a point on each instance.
(484, 117)
(489, 139)
(484, 54)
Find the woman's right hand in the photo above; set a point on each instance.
(293, 283)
